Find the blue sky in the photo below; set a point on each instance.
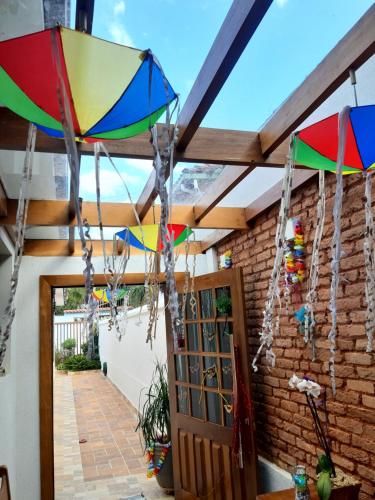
(293, 38)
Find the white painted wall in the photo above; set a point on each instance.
(19, 398)
(131, 361)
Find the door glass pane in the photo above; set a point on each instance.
(209, 337)
(226, 373)
(210, 372)
(223, 302)
(207, 309)
(192, 336)
(228, 410)
(196, 403)
(191, 306)
(180, 363)
(225, 331)
(194, 370)
(213, 407)
(182, 400)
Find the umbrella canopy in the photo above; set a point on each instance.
(114, 91)
(148, 237)
(105, 295)
(316, 146)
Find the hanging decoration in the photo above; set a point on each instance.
(148, 237)
(226, 260)
(109, 92)
(152, 468)
(21, 217)
(294, 253)
(308, 317)
(105, 295)
(242, 411)
(269, 324)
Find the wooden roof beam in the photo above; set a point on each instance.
(56, 213)
(241, 22)
(357, 46)
(54, 248)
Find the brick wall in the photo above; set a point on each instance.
(285, 432)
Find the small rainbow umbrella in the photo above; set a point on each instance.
(114, 91)
(316, 146)
(105, 295)
(148, 237)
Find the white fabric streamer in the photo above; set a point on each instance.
(369, 254)
(22, 208)
(269, 325)
(336, 241)
(311, 296)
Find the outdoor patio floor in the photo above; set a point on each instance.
(110, 464)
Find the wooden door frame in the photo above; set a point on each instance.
(46, 437)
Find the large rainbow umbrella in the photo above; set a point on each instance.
(114, 91)
(316, 146)
(148, 237)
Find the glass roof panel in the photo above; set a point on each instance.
(50, 180)
(191, 181)
(47, 233)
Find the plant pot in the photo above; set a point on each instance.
(165, 476)
(350, 492)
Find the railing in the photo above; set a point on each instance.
(73, 330)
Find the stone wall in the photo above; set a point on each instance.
(284, 427)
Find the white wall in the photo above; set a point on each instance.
(19, 398)
(131, 361)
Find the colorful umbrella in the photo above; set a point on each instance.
(114, 91)
(105, 295)
(316, 146)
(148, 237)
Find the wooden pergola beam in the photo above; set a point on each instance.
(260, 204)
(209, 145)
(226, 181)
(240, 24)
(357, 46)
(56, 213)
(60, 248)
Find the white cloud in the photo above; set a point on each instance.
(119, 8)
(110, 183)
(140, 165)
(281, 3)
(119, 34)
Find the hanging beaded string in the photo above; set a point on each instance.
(311, 296)
(267, 332)
(336, 241)
(152, 469)
(21, 217)
(369, 254)
(153, 299)
(187, 275)
(193, 300)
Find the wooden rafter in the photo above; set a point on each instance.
(56, 213)
(239, 25)
(209, 145)
(54, 248)
(262, 203)
(226, 181)
(357, 46)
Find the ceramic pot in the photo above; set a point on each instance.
(165, 476)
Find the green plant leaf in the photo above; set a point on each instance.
(324, 464)
(324, 486)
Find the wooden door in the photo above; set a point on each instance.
(201, 383)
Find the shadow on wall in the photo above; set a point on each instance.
(130, 361)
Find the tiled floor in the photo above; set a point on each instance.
(110, 464)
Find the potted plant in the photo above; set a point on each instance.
(154, 422)
(331, 484)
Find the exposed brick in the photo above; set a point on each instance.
(368, 401)
(361, 386)
(366, 472)
(355, 454)
(358, 358)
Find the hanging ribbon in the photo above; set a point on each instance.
(311, 296)
(369, 254)
(336, 241)
(21, 217)
(267, 332)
